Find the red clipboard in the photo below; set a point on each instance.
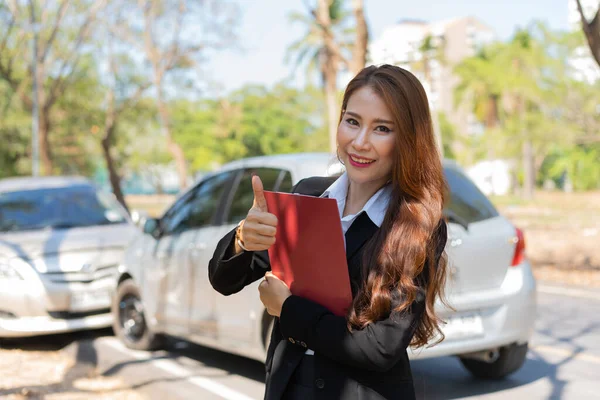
(309, 253)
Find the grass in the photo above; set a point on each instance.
(552, 210)
(155, 205)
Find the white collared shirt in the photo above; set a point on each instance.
(375, 207)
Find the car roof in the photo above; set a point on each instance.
(278, 160)
(301, 165)
(45, 182)
(305, 164)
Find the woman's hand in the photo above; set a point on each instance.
(257, 231)
(273, 292)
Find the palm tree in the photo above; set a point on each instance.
(431, 50)
(324, 46)
(481, 87)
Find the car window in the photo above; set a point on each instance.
(58, 208)
(244, 195)
(466, 201)
(197, 209)
(285, 184)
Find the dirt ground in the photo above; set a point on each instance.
(41, 369)
(562, 235)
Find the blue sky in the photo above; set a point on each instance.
(265, 31)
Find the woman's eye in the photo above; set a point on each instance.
(352, 121)
(382, 128)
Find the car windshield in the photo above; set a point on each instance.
(58, 208)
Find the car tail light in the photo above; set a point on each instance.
(519, 241)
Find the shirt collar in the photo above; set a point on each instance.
(375, 207)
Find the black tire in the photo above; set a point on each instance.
(511, 358)
(129, 322)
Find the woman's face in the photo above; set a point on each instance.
(366, 138)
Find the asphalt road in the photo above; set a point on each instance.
(563, 363)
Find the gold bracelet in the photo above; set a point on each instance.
(238, 236)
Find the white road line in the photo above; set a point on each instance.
(586, 294)
(557, 351)
(179, 371)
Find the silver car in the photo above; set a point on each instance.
(164, 289)
(61, 244)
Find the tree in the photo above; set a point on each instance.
(124, 86)
(359, 49)
(252, 121)
(591, 29)
(432, 50)
(518, 91)
(174, 37)
(480, 87)
(326, 46)
(59, 36)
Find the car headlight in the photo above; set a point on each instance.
(9, 273)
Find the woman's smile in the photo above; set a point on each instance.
(360, 162)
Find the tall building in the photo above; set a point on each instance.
(403, 43)
(585, 67)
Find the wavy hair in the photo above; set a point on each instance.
(401, 260)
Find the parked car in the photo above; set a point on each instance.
(61, 243)
(164, 289)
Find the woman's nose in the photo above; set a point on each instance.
(361, 141)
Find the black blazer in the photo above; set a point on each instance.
(364, 364)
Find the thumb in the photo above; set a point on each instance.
(271, 276)
(259, 196)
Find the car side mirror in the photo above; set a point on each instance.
(139, 217)
(151, 227)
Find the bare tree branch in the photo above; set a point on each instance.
(60, 82)
(61, 14)
(591, 31)
(150, 46)
(13, 6)
(11, 25)
(124, 34)
(16, 56)
(134, 98)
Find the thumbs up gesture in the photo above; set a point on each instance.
(257, 230)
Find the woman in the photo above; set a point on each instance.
(390, 200)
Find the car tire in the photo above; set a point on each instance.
(511, 358)
(129, 322)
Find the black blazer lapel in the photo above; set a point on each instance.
(361, 230)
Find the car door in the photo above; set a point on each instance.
(179, 248)
(236, 314)
(155, 257)
(204, 228)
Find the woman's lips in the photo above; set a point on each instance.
(359, 162)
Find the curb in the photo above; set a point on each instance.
(569, 291)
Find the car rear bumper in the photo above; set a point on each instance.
(507, 316)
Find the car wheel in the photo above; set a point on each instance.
(511, 358)
(129, 323)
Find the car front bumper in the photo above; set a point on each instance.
(39, 306)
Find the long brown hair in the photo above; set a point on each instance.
(401, 260)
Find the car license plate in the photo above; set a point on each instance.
(463, 326)
(90, 300)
